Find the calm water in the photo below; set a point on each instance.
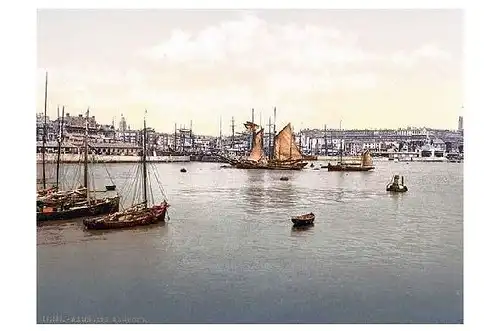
(229, 253)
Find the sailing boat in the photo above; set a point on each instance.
(257, 158)
(286, 153)
(75, 203)
(365, 164)
(44, 191)
(136, 215)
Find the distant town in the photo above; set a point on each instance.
(107, 139)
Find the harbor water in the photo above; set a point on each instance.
(229, 253)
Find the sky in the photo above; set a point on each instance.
(367, 68)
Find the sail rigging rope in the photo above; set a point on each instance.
(157, 175)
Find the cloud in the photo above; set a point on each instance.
(425, 52)
(256, 44)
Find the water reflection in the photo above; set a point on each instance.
(264, 189)
(297, 230)
(132, 230)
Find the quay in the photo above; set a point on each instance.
(76, 158)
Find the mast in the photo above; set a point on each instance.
(85, 160)
(191, 135)
(291, 142)
(274, 129)
(270, 139)
(220, 132)
(144, 171)
(340, 147)
(326, 144)
(175, 137)
(232, 130)
(59, 143)
(44, 137)
(253, 130)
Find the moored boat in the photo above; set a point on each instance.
(139, 214)
(77, 210)
(73, 204)
(366, 164)
(303, 220)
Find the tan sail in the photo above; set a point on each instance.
(285, 146)
(257, 152)
(366, 160)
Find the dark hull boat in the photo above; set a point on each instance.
(346, 167)
(98, 207)
(271, 166)
(396, 186)
(132, 217)
(110, 187)
(303, 220)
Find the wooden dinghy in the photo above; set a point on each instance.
(303, 220)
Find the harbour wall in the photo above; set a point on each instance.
(75, 158)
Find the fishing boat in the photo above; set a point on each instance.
(72, 204)
(303, 220)
(396, 186)
(365, 164)
(285, 154)
(139, 214)
(47, 196)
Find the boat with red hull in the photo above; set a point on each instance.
(139, 214)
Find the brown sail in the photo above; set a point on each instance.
(257, 153)
(366, 160)
(285, 147)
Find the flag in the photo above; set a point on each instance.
(251, 126)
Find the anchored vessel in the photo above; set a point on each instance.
(138, 214)
(285, 154)
(365, 164)
(71, 204)
(303, 220)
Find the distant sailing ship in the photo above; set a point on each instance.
(285, 154)
(365, 164)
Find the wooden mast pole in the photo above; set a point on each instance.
(144, 171)
(85, 157)
(59, 142)
(44, 137)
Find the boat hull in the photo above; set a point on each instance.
(303, 220)
(106, 207)
(397, 189)
(152, 215)
(272, 166)
(349, 168)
